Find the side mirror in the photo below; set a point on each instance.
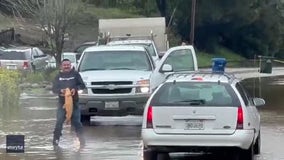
(258, 102)
(167, 68)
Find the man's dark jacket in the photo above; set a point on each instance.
(72, 80)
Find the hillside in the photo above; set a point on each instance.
(84, 29)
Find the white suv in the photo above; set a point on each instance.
(201, 112)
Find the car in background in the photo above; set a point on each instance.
(149, 45)
(79, 49)
(201, 112)
(23, 58)
(71, 56)
(51, 62)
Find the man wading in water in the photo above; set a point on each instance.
(68, 78)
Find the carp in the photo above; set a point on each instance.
(68, 105)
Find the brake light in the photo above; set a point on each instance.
(149, 123)
(25, 65)
(240, 120)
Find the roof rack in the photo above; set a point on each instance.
(116, 38)
(128, 36)
(230, 77)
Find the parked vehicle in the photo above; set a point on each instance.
(148, 44)
(117, 80)
(80, 49)
(23, 58)
(71, 56)
(51, 62)
(150, 28)
(201, 112)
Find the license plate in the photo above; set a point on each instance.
(112, 105)
(194, 125)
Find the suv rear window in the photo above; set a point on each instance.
(13, 55)
(195, 93)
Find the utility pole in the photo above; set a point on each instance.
(192, 21)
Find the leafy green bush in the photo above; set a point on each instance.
(233, 59)
(34, 77)
(9, 88)
(50, 74)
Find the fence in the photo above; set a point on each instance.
(7, 36)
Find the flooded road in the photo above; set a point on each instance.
(35, 119)
(118, 138)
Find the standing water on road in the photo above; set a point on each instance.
(109, 138)
(272, 115)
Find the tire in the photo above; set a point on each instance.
(85, 120)
(163, 156)
(247, 154)
(149, 154)
(33, 70)
(233, 155)
(257, 145)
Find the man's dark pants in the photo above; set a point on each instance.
(75, 121)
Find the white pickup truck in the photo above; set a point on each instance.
(117, 80)
(120, 79)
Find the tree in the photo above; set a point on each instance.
(54, 16)
(247, 27)
(162, 6)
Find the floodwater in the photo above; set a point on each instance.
(118, 138)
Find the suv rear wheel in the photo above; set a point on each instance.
(149, 154)
(154, 155)
(163, 156)
(257, 145)
(247, 154)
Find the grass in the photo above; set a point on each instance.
(5, 22)
(205, 59)
(107, 13)
(41, 76)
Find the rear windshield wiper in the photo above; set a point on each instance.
(193, 101)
